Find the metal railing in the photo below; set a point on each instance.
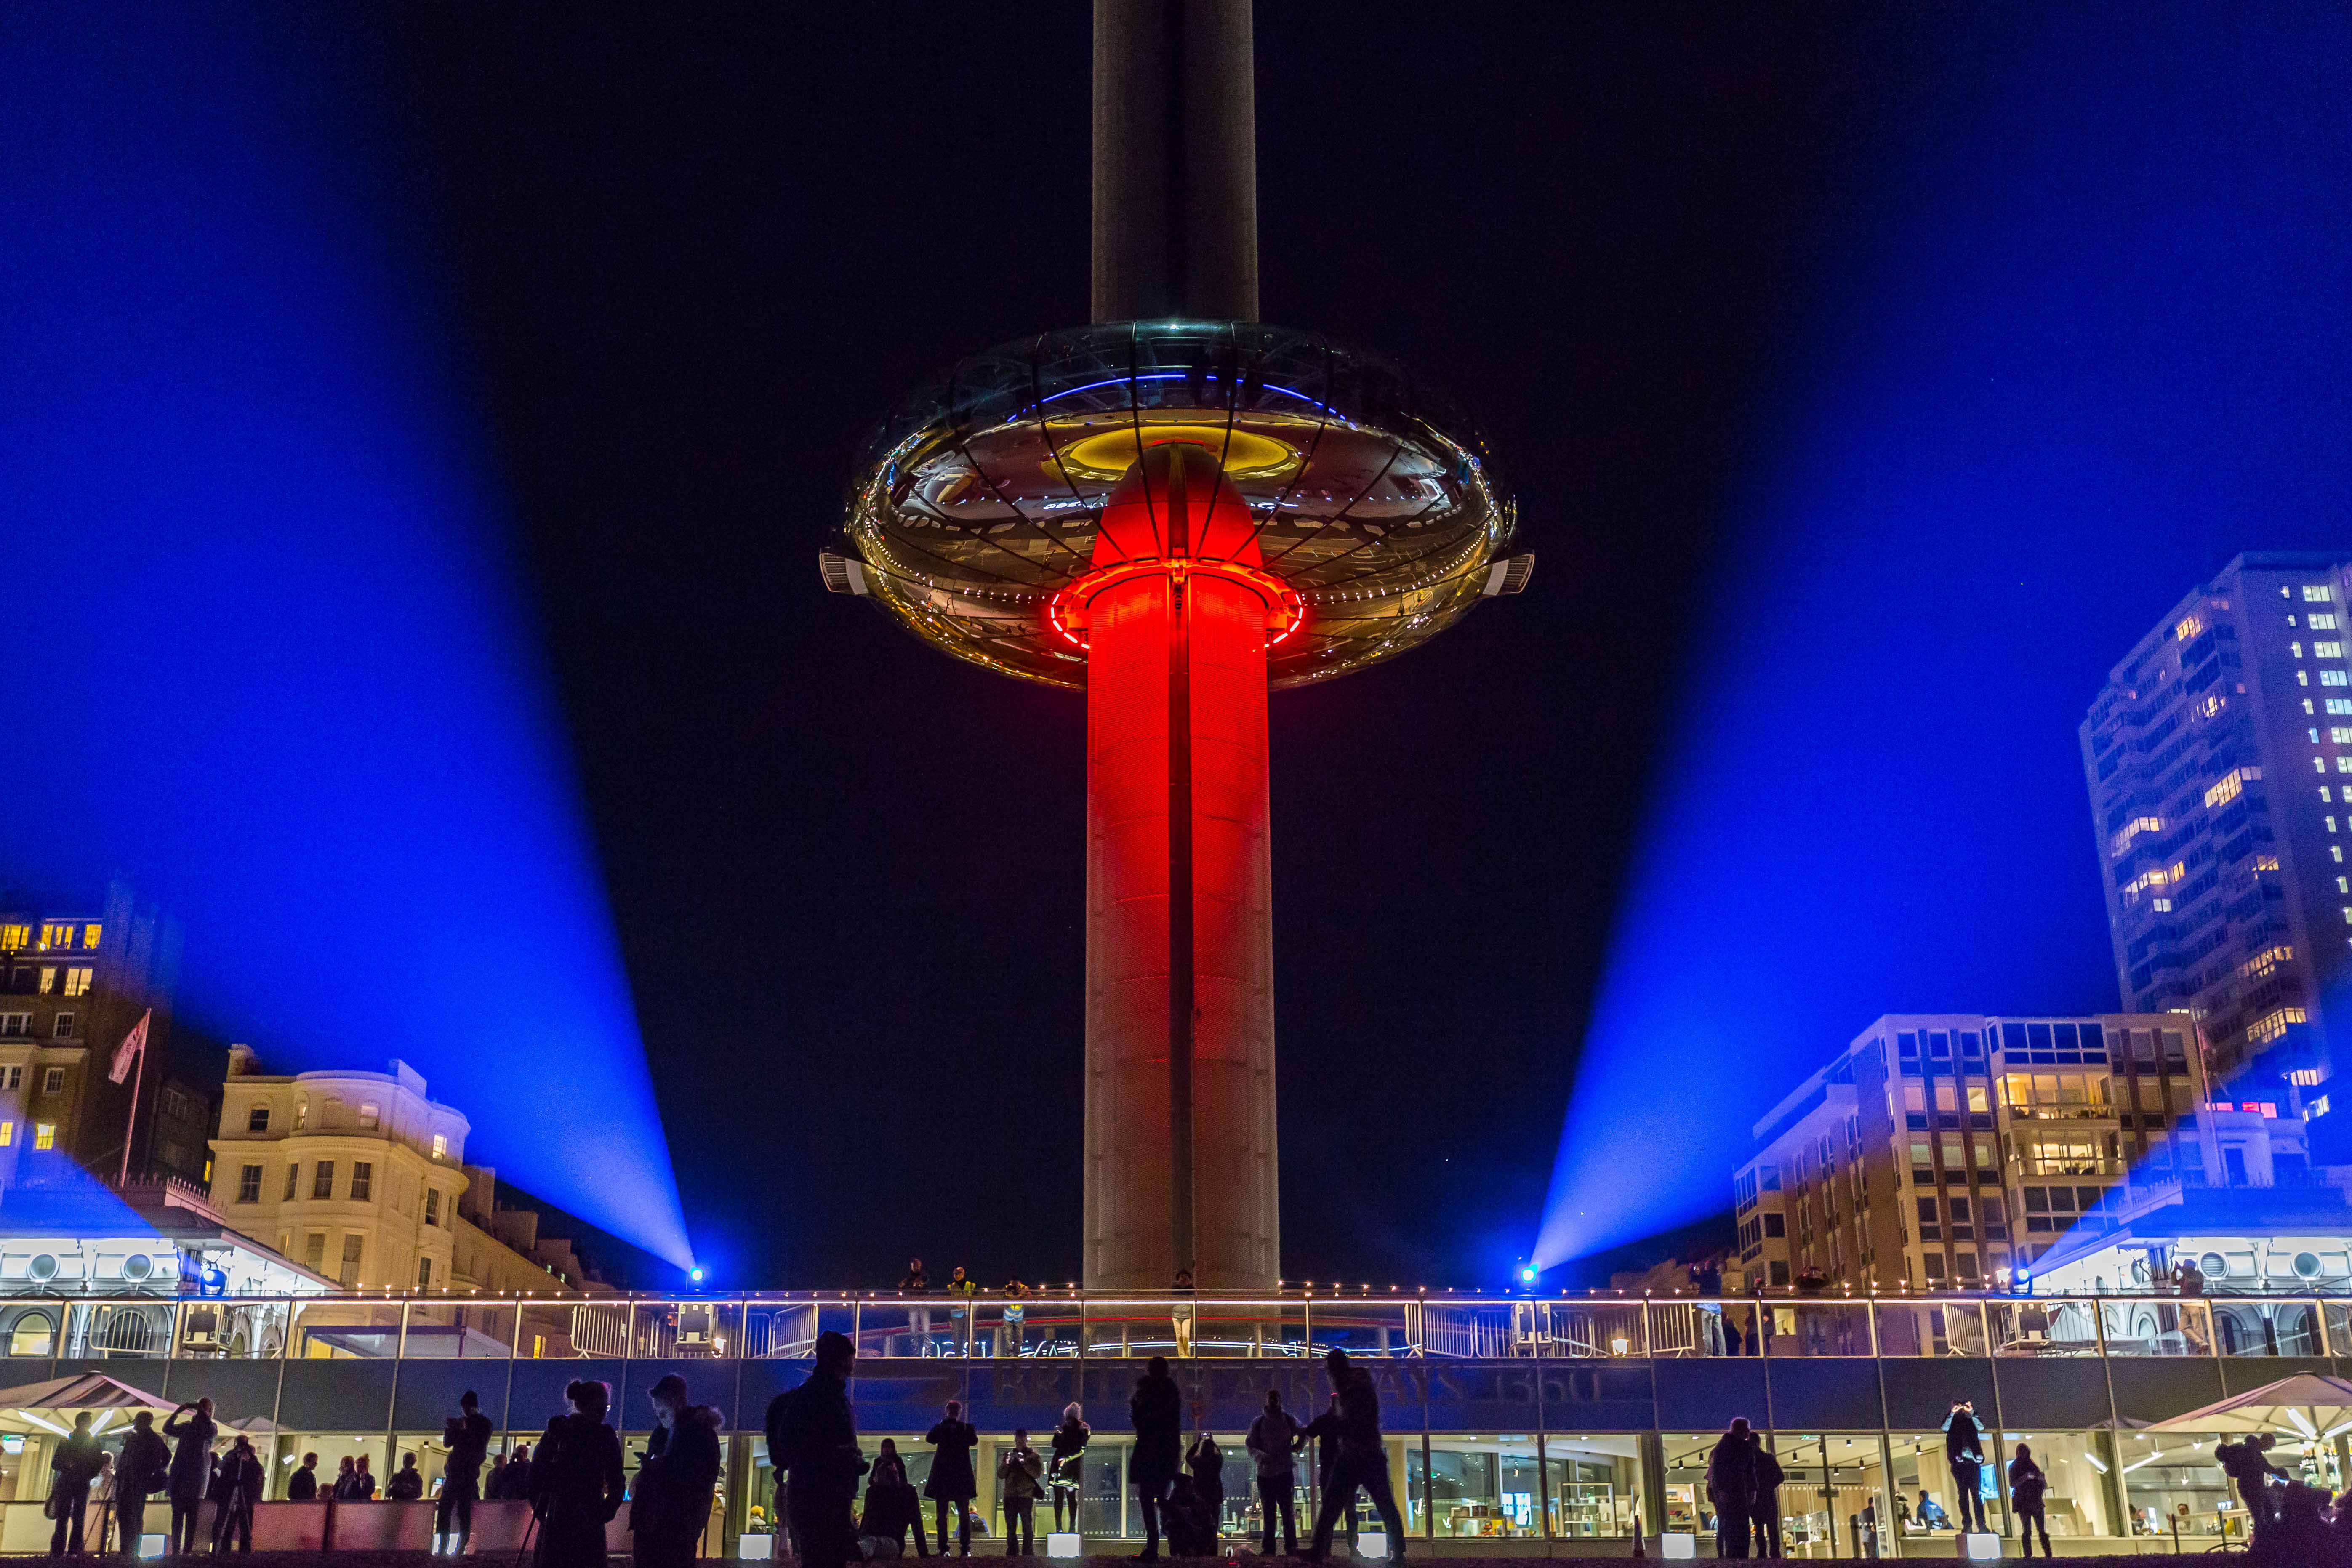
(1074, 1324)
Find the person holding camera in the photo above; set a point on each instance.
(677, 1479)
(1964, 1453)
(192, 1470)
(468, 1436)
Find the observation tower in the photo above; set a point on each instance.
(1176, 510)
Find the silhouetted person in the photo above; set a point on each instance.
(144, 1469)
(347, 1481)
(1205, 1463)
(2245, 1463)
(813, 1438)
(407, 1483)
(362, 1481)
(303, 1485)
(72, 1468)
(1273, 1444)
(2026, 1485)
(1324, 1433)
(951, 1484)
(1766, 1515)
(192, 1470)
(1157, 1412)
(237, 1489)
(1020, 1476)
(677, 1479)
(1362, 1460)
(914, 1278)
(577, 1484)
(1964, 1452)
(517, 1487)
(2297, 1533)
(468, 1437)
(1070, 1440)
(1186, 1516)
(1731, 1485)
(891, 1506)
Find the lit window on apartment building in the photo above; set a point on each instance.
(2317, 593)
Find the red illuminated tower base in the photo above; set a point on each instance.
(1180, 1171)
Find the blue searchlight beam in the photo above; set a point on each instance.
(270, 659)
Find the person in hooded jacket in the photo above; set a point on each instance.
(952, 1485)
(671, 1506)
(577, 1483)
(1155, 1409)
(1069, 1463)
(1731, 1485)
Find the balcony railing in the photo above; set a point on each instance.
(1072, 1325)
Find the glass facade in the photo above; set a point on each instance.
(1507, 1419)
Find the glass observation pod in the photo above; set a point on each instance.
(1375, 518)
(1506, 1419)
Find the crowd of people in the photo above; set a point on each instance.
(1179, 1489)
(575, 1480)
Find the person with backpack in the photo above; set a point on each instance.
(1273, 1444)
(1964, 1453)
(72, 1468)
(1765, 1515)
(2026, 1485)
(142, 1471)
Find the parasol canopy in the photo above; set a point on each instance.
(2308, 1405)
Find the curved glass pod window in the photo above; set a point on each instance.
(1372, 495)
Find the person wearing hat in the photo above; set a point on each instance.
(670, 1505)
(468, 1436)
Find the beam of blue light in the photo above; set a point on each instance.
(268, 656)
(2083, 335)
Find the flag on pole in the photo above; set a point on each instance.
(128, 1050)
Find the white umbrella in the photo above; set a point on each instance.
(2309, 1404)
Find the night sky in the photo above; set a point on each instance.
(682, 262)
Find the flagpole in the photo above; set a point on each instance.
(130, 1129)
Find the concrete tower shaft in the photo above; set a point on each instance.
(1181, 1163)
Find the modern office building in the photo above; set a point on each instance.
(1938, 1149)
(361, 1177)
(2219, 763)
(78, 973)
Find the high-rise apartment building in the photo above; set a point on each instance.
(77, 973)
(2219, 763)
(1939, 1149)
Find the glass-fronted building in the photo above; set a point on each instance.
(1531, 1420)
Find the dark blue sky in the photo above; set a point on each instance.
(2085, 332)
(422, 419)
